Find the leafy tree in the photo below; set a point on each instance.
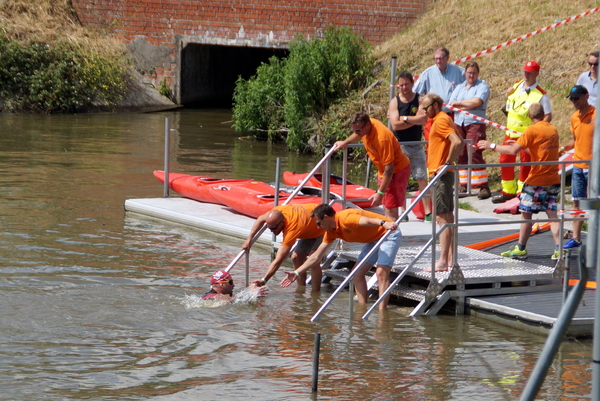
(292, 95)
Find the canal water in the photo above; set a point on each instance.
(99, 304)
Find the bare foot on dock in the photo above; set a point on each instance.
(439, 267)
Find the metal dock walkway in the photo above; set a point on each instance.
(527, 294)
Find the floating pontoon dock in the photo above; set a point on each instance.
(527, 294)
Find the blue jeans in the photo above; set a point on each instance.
(579, 183)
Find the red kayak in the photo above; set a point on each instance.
(196, 186)
(248, 201)
(353, 191)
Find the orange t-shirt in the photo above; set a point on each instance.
(541, 139)
(383, 148)
(439, 144)
(298, 223)
(348, 229)
(583, 131)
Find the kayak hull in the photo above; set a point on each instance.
(197, 187)
(353, 191)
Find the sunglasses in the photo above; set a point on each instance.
(273, 228)
(574, 99)
(428, 106)
(593, 64)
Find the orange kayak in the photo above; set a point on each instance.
(353, 191)
(253, 203)
(196, 186)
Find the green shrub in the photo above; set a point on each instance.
(41, 78)
(292, 95)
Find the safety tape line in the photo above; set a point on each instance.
(520, 38)
(491, 49)
(493, 124)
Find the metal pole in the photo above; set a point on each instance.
(325, 179)
(556, 334)
(167, 157)
(344, 177)
(592, 253)
(315, 378)
(392, 83)
(247, 269)
(276, 199)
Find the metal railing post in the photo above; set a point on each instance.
(167, 156)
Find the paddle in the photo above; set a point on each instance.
(296, 191)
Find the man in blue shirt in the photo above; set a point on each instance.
(589, 79)
(472, 96)
(441, 79)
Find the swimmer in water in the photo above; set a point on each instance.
(222, 287)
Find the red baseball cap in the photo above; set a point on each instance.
(531, 66)
(221, 276)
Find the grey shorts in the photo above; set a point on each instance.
(308, 245)
(444, 196)
(418, 165)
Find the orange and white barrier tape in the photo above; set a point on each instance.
(520, 38)
(573, 212)
(483, 120)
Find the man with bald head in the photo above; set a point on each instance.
(297, 225)
(541, 186)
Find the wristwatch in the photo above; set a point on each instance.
(382, 223)
(405, 118)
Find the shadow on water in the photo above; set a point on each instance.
(93, 301)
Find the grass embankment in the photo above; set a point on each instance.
(466, 27)
(50, 63)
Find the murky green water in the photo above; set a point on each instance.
(97, 304)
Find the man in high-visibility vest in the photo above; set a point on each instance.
(521, 96)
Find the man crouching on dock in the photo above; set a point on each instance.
(353, 225)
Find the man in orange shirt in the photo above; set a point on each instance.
(543, 183)
(393, 167)
(355, 225)
(296, 224)
(582, 127)
(445, 144)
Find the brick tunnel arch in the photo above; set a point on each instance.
(208, 72)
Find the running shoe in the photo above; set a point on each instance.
(429, 217)
(555, 255)
(572, 243)
(515, 253)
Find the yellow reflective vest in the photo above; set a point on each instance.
(517, 107)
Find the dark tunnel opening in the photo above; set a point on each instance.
(209, 72)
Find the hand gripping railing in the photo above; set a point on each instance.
(296, 191)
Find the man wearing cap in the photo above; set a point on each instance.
(582, 128)
(541, 188)
(521, 96)
(589, 79)
(360, 226)
(441, 79)
(295, 223)
(222, 287)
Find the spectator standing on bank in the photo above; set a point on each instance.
(472, 96)
(541, 188)
(441, 79)
(589, 79)
(445, 144)
(407, 123)
(520, 97)
(582, 128)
